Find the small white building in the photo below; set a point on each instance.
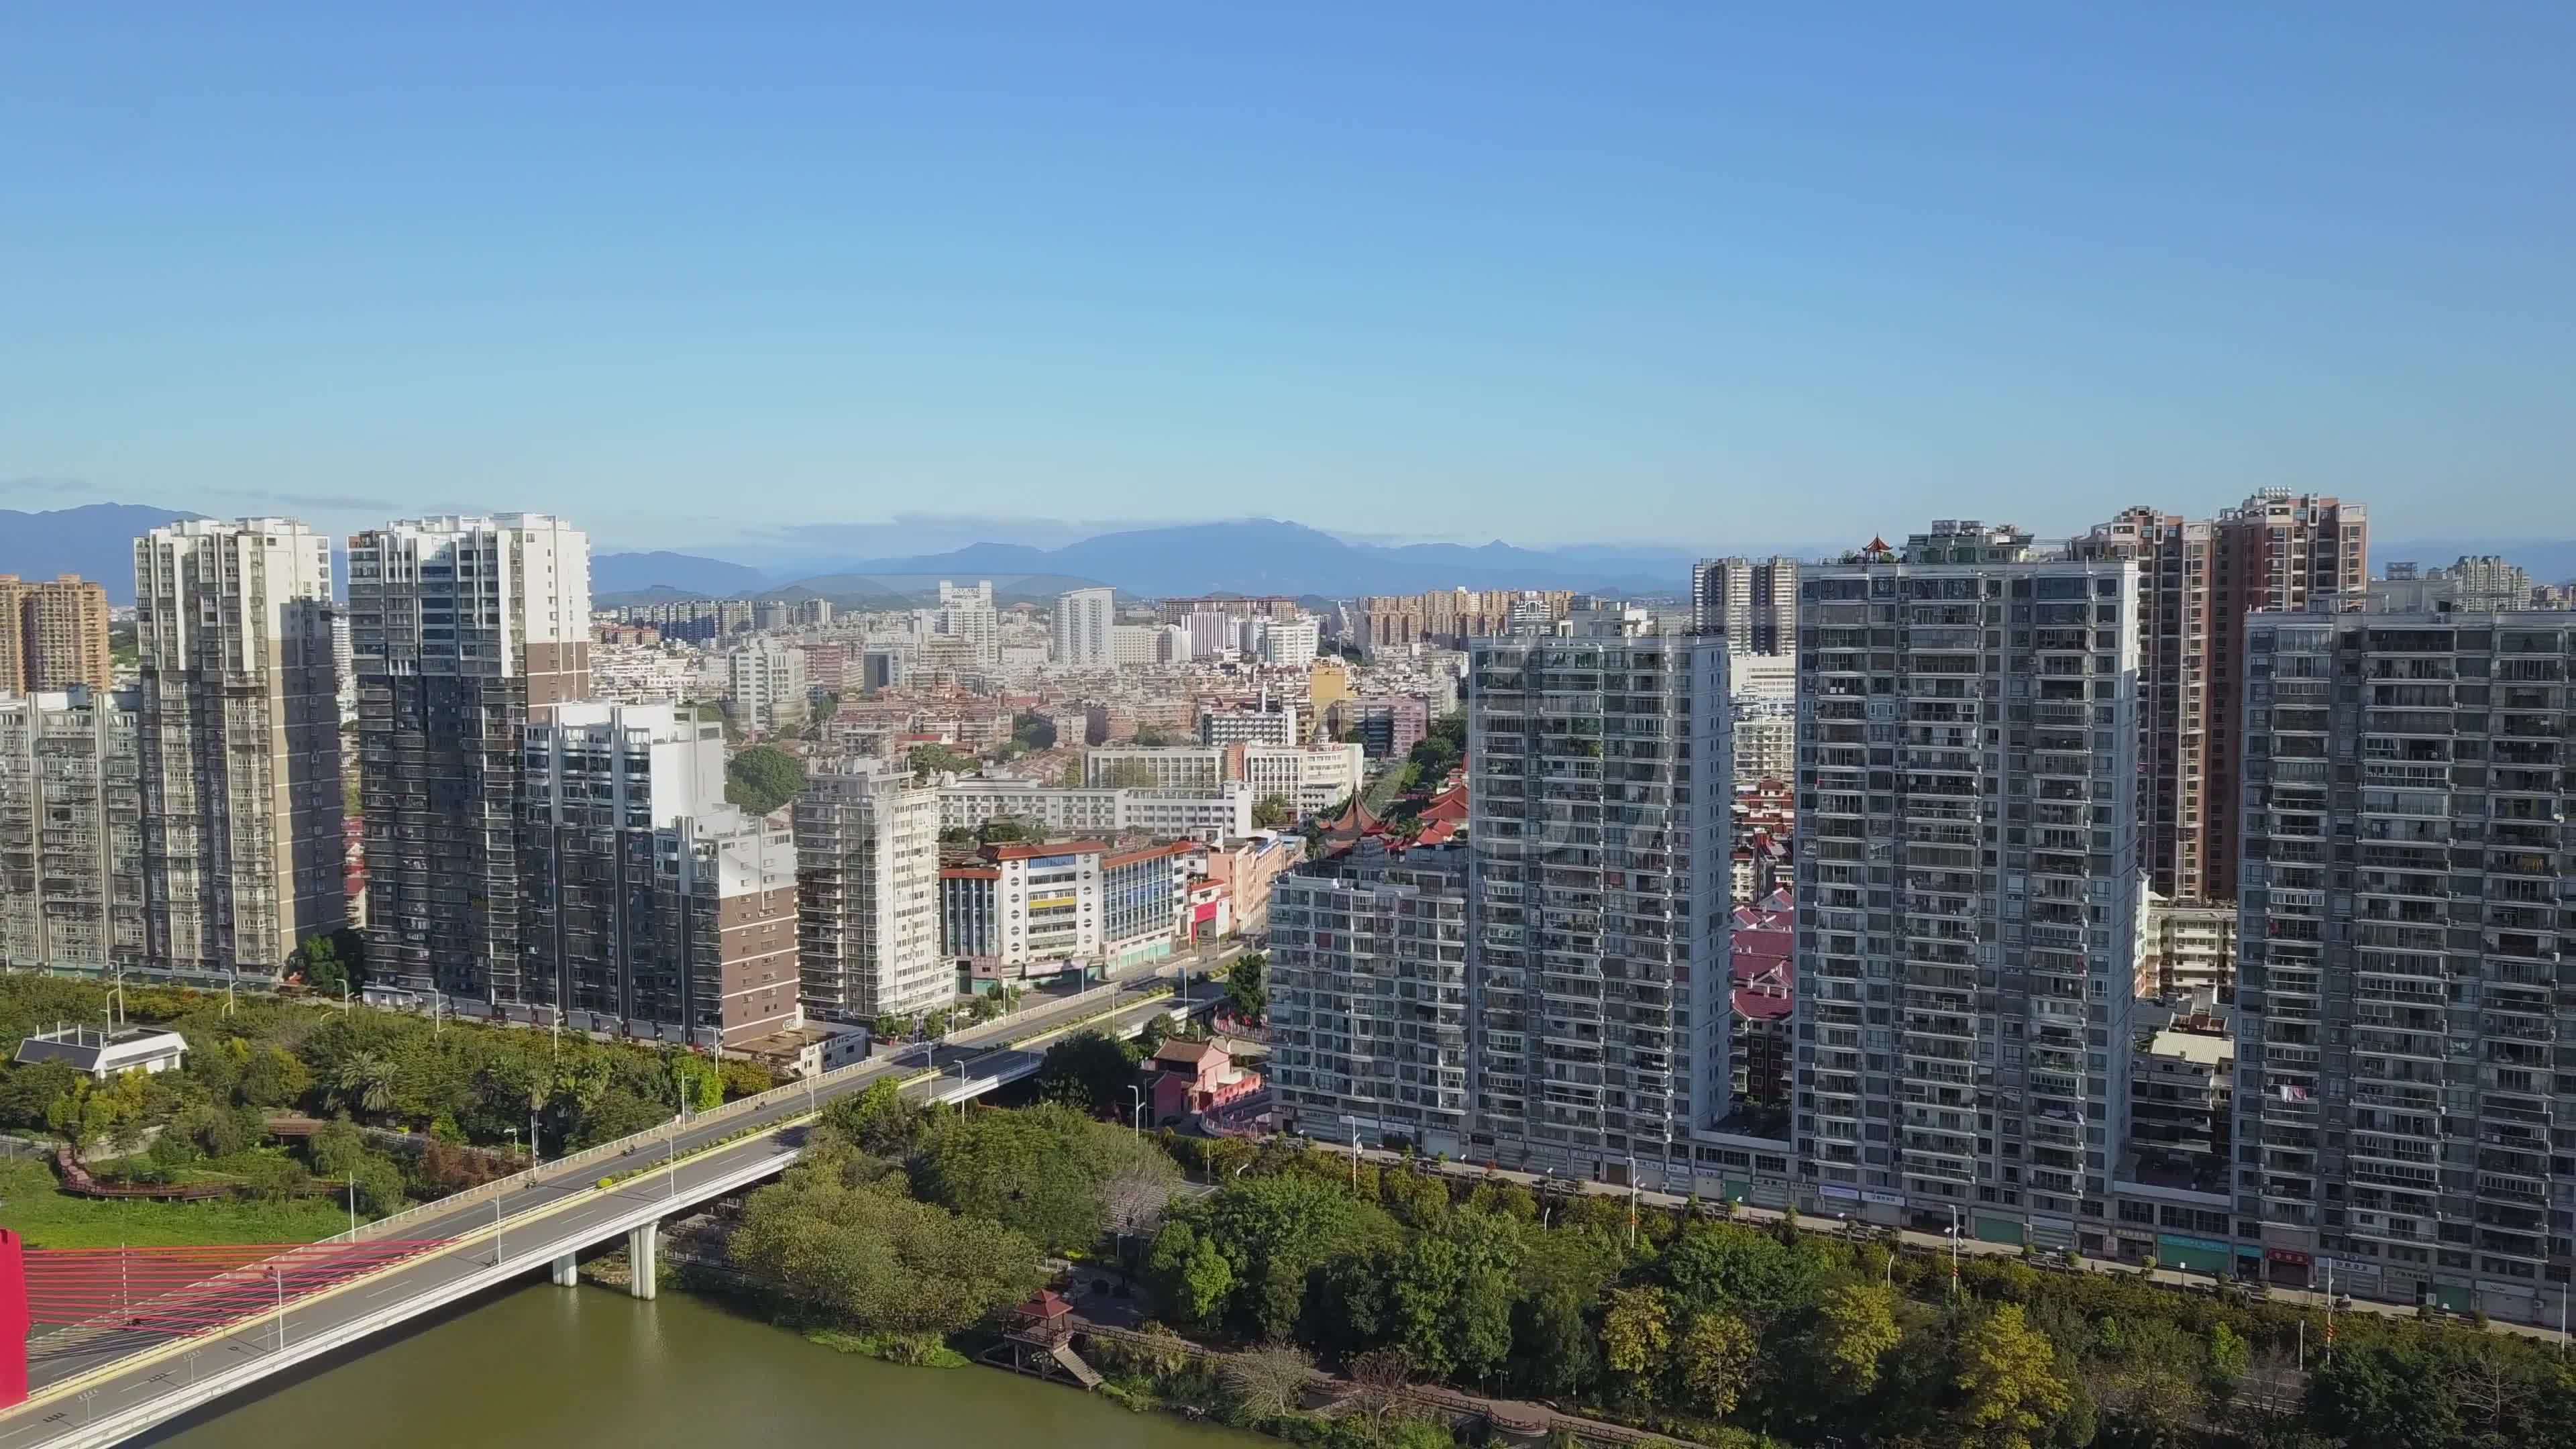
(101, 1054)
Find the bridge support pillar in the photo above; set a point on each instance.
(640, 1245)
(567, 1272)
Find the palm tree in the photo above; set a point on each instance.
(364, 1083)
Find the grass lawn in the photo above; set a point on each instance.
(32, 1206)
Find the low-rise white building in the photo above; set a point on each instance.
(103, 1053)
(1212, 813)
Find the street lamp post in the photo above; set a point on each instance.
(1139, 1094)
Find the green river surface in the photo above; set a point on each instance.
(565, 1368)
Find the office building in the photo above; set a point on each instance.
(1597, 964)
(1967, 889)
(765, 687)
(1082, 622)
(240, 746)
(71, 831)
(466, 629)
(2197, 580)
(2402, 1097)
(1368, 998)
(867, 879)
(1037, 910)
(1753, 602)
(53, 635)
(966, 612)
(652, 908)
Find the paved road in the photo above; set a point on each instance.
(557, 1214)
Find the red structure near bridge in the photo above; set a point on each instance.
(85, 1296)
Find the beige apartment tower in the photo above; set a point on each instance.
(239, 745)
(52, 635)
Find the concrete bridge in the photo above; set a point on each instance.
(107, 1382)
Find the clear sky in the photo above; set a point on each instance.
(1546, 272)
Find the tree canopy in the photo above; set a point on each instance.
(1272, 811)
(1091, 1070)
(762, 778)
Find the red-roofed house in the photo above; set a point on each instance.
(1198, 1076)
(1765, 990)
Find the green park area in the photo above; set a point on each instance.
(31, 1206)
(289, 1112)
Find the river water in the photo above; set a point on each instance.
(564, 1368)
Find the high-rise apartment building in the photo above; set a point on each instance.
(1083, 618)
(71, 831)
(1290, 643)
(53, 635)
(1597, 982)
(240, 749)
(2403, 1097)
(1368, 993)
(867, 880)
(465, 629)
(2197, 580)
(966, 612)
(1753, 602)
(1448, 618)
(765, 686)
(651, 907)
(1967, 889)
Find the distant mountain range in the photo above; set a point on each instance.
(95, 541)
(1252, 556)
(1249, 556)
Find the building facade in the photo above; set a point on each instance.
(465, 630)
(240, 745)
(651, 908)
(1037, 909)
(1368, 998)
(1597, 962)
(1213, 814)
(966, 613)
(1312, 778)
(53, 635)
(765, 684)
(2402, 1097)
(1752, 602)
(71, 832)
(867, 878)
(1082, 622)
(1967, 890)
(2197, 580)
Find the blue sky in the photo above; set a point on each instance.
(1693, 272)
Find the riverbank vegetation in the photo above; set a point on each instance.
(442, 1095)
(1715, 1331)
